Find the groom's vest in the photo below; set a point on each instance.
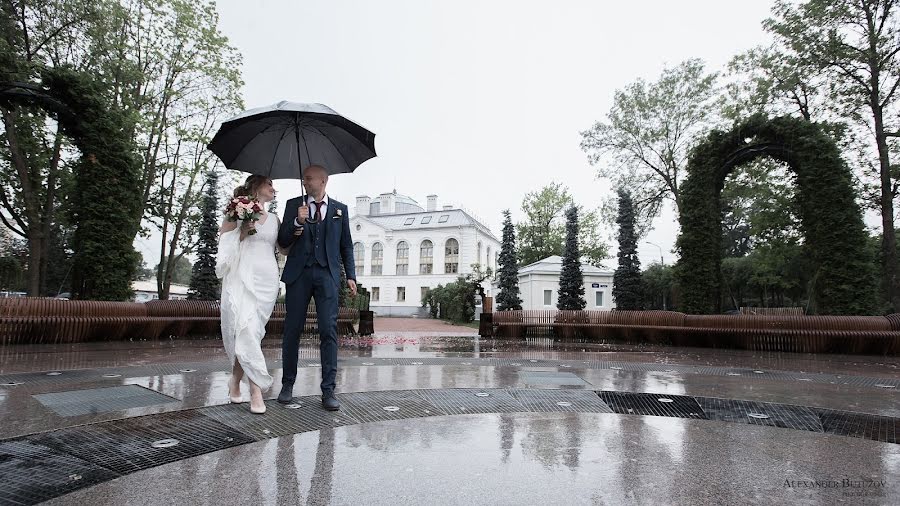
(318, 245)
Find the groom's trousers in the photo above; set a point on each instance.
(315, 282)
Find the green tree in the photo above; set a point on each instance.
(857, 43)
(627, 289)
(644, 143)
(181, 274)
(508, 298)
(543, 232)
(658, 283)
(35, 36)
(571, 281)
(205, 285)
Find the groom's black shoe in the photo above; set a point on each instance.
(287, 394)
(330, 402)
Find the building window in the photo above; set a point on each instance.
(359, 257)
(409, 221)
(444, 218)
(402, 258)
(376, 294)
(598, 299)
(487, 258)
(426, 219)
(548, 295)
(401, 294)
(478, 258)
(451, 256)
(377, 257)
(426, 257)
(423, 291)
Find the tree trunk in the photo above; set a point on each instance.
(888, 241)
(32, 212)
(52, 174)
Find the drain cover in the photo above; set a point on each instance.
(164, 443)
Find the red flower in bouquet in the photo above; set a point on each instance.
(243, 209)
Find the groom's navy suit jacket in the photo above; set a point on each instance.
(338, 243)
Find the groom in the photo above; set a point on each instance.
(313, 269)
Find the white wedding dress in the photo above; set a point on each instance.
(249, 274)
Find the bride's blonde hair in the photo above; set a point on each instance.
(250, 188)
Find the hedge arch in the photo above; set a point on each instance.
(830, 219)
(107, 188)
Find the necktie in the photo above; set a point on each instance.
(319, 210)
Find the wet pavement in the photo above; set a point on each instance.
(430, 450)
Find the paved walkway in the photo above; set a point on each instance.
(450, 419)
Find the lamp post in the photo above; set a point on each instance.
(663, 262)
(661, 259)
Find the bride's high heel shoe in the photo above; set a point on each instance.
(257, 406)
(234, 386)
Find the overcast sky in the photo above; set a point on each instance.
(478, 102)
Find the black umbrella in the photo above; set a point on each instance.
(281, 140)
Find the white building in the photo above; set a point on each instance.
(145, 291)
(401, 249)
(539, 285)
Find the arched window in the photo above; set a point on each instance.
(377, 258)
(451, 256)
(402, 258)
(478, 258)
(487, 258)
(426, 257)
(359, 257)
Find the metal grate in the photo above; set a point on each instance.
(33, 473)
(761, 413)
(100, 400)
(874, 427)
(370, 406)
(582, 401)
(125, 445)
(279, 419)
(551, 378)
(677, 406)
(472, 400)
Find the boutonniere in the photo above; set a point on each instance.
(337, 214)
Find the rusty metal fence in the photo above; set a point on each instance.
(32, 320)
(805, 334)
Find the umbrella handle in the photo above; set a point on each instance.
(303, 195)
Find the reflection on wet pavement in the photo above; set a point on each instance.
(516, 458)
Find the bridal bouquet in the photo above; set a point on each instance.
(243, 209)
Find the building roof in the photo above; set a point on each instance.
(553, 265)
(150, 286)
(449, 218)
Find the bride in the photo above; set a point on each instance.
(248, 269)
